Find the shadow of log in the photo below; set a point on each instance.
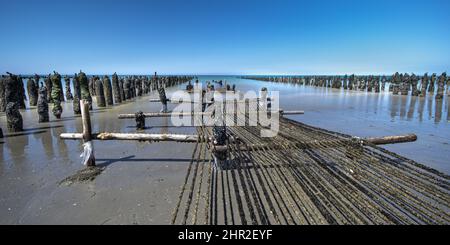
(107, 161)
(23, 134)
(42, 128)
(63, 119)
(161, 126)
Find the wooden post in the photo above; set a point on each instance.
(87, 132)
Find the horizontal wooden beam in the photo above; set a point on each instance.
(191, 138)
(155, 100)
(188, 138)
(292, 112)
(315, 144)
(187, 114)
(392, 139)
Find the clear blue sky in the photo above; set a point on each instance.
(225, 37)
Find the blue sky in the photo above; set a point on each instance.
(225, 37)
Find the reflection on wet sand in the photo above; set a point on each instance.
(164, 130)
(420, 109)
(438, 110)
(403, 101)
(399, 107)
(448, 112)
(429, 107)
(394, 107)
(412, 107)
(17, 149)
(62, 147)
(47, 143)
(24, 134)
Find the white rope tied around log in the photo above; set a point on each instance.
(88, 149)
(105, 136)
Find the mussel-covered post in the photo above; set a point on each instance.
(424, 84)
(69, 95)
(265, 101)
(116, 89)
(101, 102)
(42, 105)
(2, 94)
(163, 99)
(84, 88)
(56, 94)
(219, 140)
(108, 91)
(76, 95)
(32, 89)
(140, 120)
(440, 86)
(12, 97)
(88, 153)
(48, 85)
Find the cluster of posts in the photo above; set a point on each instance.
(43, 91)
(403, 84)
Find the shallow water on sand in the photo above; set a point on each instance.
(365, 114)
(141, 182)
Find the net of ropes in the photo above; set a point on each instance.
(306, 175)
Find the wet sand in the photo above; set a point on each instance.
(139, 185)
(141, 182)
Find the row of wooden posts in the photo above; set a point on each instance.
(13, 94)
(403, 84)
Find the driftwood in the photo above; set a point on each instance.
(206, 102)
(292, 112)
(191, 138)
(392, 139)
(134, 136)
(169, 114)
(316, 144)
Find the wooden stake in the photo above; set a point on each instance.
(87, 130)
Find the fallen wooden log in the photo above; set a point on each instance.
(190, 138)
(176, 101)
(204, 102)
(292, 112)
(330, 143)
(170, 114)
(134, 136)
(163, 114)
(392, 139)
